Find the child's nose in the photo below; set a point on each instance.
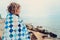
(15, 11)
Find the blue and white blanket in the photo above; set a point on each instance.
(15, 29)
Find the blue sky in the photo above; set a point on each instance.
(38, 12)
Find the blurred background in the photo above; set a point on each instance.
(45, 13)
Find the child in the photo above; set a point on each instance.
(14, 28)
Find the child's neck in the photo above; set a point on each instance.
(15, 14)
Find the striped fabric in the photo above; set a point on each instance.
(15, 29)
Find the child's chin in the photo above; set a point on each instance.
(17, 13)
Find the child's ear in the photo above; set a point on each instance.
(8, 8)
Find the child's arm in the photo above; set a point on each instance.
(25, 32)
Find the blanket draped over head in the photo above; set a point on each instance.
(15, 29)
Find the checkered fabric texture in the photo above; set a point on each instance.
(15, 29)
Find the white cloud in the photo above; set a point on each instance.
(32, 7)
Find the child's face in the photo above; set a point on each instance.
(16, 11)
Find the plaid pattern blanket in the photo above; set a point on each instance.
(15, 29)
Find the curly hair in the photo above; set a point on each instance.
(13, 6)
